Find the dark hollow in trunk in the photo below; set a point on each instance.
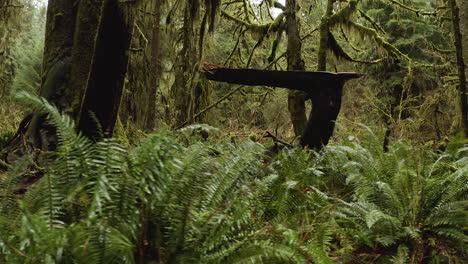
(323, 88)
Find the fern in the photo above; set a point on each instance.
(161, 201)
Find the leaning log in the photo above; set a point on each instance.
(323, 88)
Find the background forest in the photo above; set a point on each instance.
(116, 148)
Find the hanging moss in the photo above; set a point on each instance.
(414, 10)
(366, 31)
(275, 45)
(374, 24)
(344, 14)
(259, 31)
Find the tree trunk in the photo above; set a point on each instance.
(296, 99)
(83, 70)
(89, 19)
(181, 91)
(139, 98)
(103, 94)
(10, 11)
(155, 66)
(460, 24)
(56, 66)
(323, 88)
(324, 33)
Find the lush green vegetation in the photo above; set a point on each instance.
(187, 170)
(182, 199)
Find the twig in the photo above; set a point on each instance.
(211, 106)
(235, 47)
(275, 139)
(14, 6)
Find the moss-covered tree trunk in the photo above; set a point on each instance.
(56, 68)
(324, 33)
(296, 99)
(189, 94)
(181, 91)
(101, 102)
(155, 66)
(460, 23)
(84, 66)
(139, 97)
(10, 11)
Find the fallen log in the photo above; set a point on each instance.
(323, 88)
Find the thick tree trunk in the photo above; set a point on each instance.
(460, 22)
(88, 23)
(139, 97)
(56, 66)
(296, 99)
(323, 88)
(103, 94)
(84, 66)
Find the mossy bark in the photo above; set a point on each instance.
(296, 99)
(83, 67)
(324, 33)
(60, 27)
(10, 12)
(139, 98)
(186, 65)
(460, 22)
(88, 22)
(155, 67)
(188, 94)
(103, 95)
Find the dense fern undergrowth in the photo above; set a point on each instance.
(168, 200)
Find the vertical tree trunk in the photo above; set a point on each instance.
(139, 97)
(324, 32)
(103, 94)
(88, 23)
(155, 66)
(181, 91)
(10, 11)
(296, 99)
(56, 65)
(460, 22)
(83, 67)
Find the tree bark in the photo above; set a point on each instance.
(156, 66)
(88, 23)
(104, 92)
(296, 99)
(56, 66)
(10, 12)
(139, 97)
(83, 69)
(181, 90)
(460, 22)
(324, 33)
(323, 88)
